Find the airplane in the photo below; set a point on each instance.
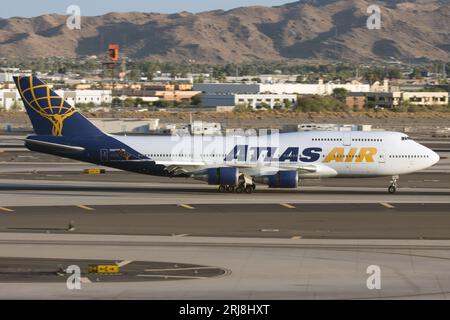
(233, 163)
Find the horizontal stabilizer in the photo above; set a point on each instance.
(52, 146)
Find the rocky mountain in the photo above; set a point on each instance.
(307, 29)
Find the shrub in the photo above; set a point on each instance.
(319, 103)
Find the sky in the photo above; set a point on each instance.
(32, 8)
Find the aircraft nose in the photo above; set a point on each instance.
(434, 157)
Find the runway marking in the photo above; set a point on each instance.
(166, 276)
(287, 205)
(85, 280)
(85, 207)
(175, 269)
(186, 206)
(180, 235)
(296, 237)
(387, 205)
(270, 230)
(123, 263)
(6, 209)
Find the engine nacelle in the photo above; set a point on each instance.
(225, 176)
(283, 179)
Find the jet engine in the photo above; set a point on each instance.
(283, 179)
(220, 176)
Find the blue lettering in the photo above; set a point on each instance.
(243, 152)
(238, 153)
(290, 154)
(311, 155)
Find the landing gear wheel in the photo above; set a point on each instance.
(222, 188)
(392, 189)
(254, 187)
(230, 189)
(239, 189)
(248, 189)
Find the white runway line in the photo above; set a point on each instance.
(166, 276)
(6, 209)
(186, 206)
(176, 269)
(85, 280)
(85, 207)
(124, 263)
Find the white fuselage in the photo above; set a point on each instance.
(331, 153)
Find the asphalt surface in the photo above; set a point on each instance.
(32, 270)
(309, 220)
(258, 268)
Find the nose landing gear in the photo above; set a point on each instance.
(393, 187)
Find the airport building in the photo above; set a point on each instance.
(137, 126)
(320, 88)
(254, 100)
(6, 77)
(10, 100)
(96, 97)
(393, 99)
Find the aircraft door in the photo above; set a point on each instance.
(382, 157)
(347, 139)
(104, 155)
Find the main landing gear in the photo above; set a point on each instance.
(393, 187)
(241, 188)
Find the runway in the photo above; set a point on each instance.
(302, 221)
(50, 193)
(312, 243)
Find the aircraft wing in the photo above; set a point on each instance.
(252, 170)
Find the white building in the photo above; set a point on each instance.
(320, 88)
(205, 128)
(97, 97)
(333, 127)
(10, 99)
(253, 100)
(6, 77)
(141, 126)
(265, 78)
(6, 74)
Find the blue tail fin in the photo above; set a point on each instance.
(49, 113)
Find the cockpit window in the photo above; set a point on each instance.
(406, 138)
